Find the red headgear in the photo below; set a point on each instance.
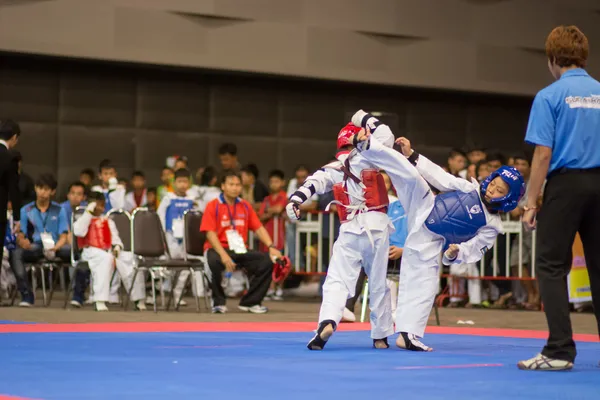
(345, 134)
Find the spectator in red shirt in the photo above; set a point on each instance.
(226, 221)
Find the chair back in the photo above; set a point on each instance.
(75, 250)
(122, 220)
(147, 236)
(194, 239)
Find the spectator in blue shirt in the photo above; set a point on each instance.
(43, 234)
(75, 198)
(564, 126)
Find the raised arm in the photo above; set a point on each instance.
(320, 182)
(440, 179)
(81, 226)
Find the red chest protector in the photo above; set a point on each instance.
(98, 235)
(374, 192)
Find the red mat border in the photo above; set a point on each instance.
(140, 327)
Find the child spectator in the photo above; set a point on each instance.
(86, 176)
(151, 198)
(75, 198)
(114, 194)
(166, 177)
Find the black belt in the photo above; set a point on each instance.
(565, 170)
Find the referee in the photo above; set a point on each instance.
(564, 126)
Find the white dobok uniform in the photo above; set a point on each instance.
(419, 270)
(363, 241)
(102, 261)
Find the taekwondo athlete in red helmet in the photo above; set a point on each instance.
(361, 198)
(463, 222)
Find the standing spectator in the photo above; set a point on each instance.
(75, 198)
(26, 186)
(564, 126)
(228, 157)
(273, 206)
(138, 197)
(86, 176)
(207, 190)
(457, 162)
(43, 234)
(226, 222)
(253, 190)
(166, 177)
(495, 161)
(9, 174)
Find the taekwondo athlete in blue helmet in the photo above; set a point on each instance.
(462, 222)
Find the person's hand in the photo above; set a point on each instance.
(405, 147)
(112, 184)
(529, 218)
(452, 252)
(228, 262)
(274, 253)
(91, 207)
(116, 251)
(395, 253)
(24, 243)
(276, 210)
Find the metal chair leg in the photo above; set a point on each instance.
(206, 292)
(127, 293)
(196, 292)
(51, 283)
(33, 282)
(185, 284)
(153, 289)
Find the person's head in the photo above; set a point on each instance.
(45, 187)
(457, 161)
(482, 170)
(86, 176)
(9, 132)
(301, 173)
(199, 173)
(228, 156)
(475, 155)
(523, 165)
(471, 172)
(510, 161)
(98, 198)
(345, 136)
(76, 194)
(138, 180)
(123, 182)
(208, 177)
(231, 185)
(249, 175)
(566, 48)
(151, 196)
(106, 171)
(503, 189)
(181, 163)
(182, 181)
(166, 176)
(495, 161)
(276, 181)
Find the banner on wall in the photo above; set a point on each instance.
(579, 280)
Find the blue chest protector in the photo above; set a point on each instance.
(456, 216)
(175, 210)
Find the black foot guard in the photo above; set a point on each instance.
(379, 342)
(412, 343)
(318, 342)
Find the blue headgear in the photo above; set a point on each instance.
(516, 189)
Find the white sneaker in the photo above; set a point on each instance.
(101, 306)
(543, 363)
(25, 304)
(182, 303)
(219, 310)
(150, 300)
(348, 316)
(255, 309)
(140, 306)
(76, 304)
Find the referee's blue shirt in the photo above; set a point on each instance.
(565, 116)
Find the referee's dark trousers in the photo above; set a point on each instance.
(571, 204)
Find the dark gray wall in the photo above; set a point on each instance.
(75, 113)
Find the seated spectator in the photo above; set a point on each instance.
(86, 176)
(138, 196)
(114, 193)
(43, 234)
(495, 161)
(207, 190)
(274, 206)
(476, 154)
(26, 186)
(226, 222)
(228, 158)
(253, 190)
(102, 248)
(457, 162)
(75, 198)
(482, 170)
(152, 199)
(123, 182)
(166, 177)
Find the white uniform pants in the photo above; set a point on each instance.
(351, 251)
(177, 252)
(102, 265)
(457, 289)
(419, 270)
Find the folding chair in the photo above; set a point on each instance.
(122, 220)
(193, 243)
(150, 249)
(76, 261)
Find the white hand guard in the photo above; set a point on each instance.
(293, 211)
(358, 117)
(91, 207)
(112, 184)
